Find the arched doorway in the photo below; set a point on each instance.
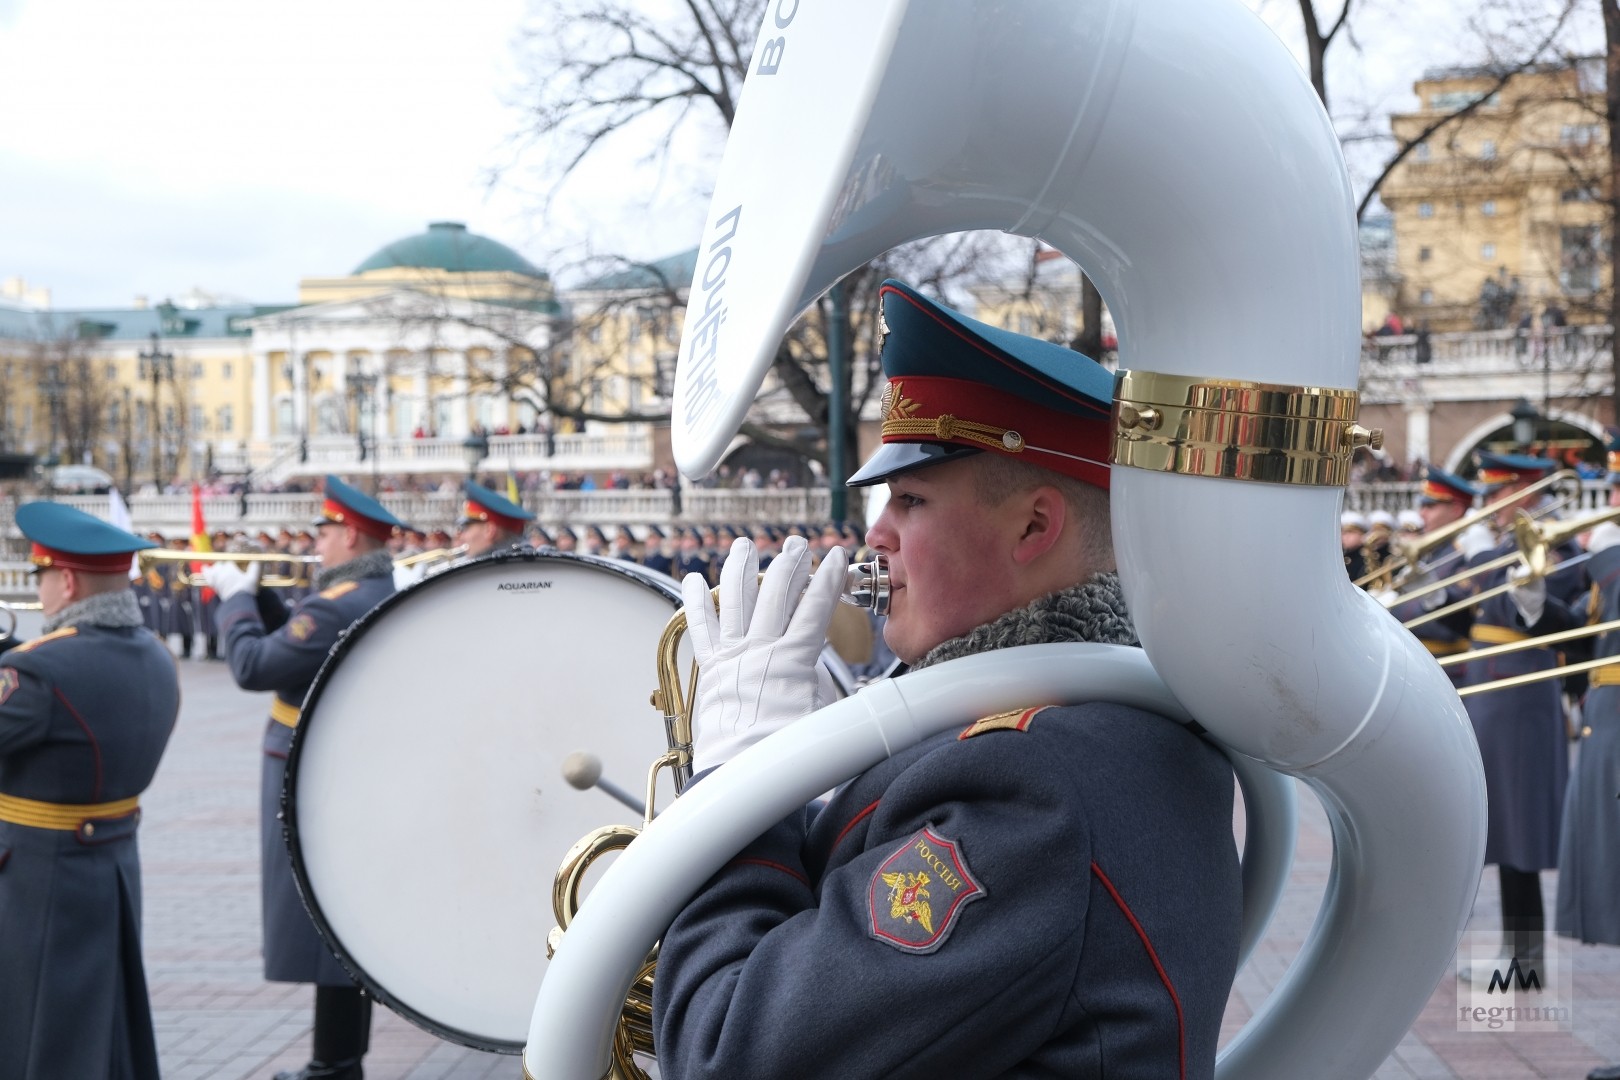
(1576, 441)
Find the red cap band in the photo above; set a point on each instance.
(45, 557)
(474, 511)
(921, 408)
(339, 514)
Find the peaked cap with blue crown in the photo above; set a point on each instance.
(958, 386)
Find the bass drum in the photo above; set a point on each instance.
(425, 804)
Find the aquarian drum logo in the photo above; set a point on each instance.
(916, 897)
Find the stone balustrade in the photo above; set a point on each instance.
(628, 449)
(171, 514)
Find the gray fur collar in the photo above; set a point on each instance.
(109, 609)
(1093, 611)
(371, 564)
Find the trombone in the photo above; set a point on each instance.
(146, 558)
(1408, 552)
(1543, 641)
(1533, 542)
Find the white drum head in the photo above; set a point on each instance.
(426, 807)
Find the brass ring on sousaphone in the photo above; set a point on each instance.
(430, 790)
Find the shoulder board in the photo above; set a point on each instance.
(65, 632)
(1015, 720)
(341, 589)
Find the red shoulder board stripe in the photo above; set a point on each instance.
(1014, 720)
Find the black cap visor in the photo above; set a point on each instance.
(897, 458)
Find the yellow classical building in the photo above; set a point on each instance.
(1502, 213)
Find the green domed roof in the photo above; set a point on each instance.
(447, 245)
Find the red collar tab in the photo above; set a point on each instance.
(923, 408)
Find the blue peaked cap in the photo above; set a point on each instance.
(924, 340)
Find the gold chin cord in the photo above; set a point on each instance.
(867, 586)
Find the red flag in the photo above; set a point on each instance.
(199, 536)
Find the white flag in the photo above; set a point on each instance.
(118, 514)
(118, 510)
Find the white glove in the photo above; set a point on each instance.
(406, 576)
(227, 580)
(1606, 535)
(1475, 540)
(1529, 596)
(756, 658)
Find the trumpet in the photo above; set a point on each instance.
(866, 585)
(432, 555)
(145, 559)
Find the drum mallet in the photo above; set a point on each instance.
(583, 770)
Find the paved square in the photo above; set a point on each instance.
(217, 1019)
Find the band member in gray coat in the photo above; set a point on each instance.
(1050, 891)
(1588, 907)
(85, 713)
(1523, 739)
(268, 654)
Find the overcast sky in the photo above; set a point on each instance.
(151, 148)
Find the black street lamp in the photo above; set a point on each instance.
(476, 447)
(156, 365)
(1525, 418)
(363, 392)
(54, 387)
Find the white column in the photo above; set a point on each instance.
(1417, 431)
(300, 391)
(461, 410)
(261, 397)
(424, 416)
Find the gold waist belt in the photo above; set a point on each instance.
(1445, 648)
(1608, 675)
(283, 713)
(1496, 635)
(65, 816)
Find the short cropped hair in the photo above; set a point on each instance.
(1000, 477)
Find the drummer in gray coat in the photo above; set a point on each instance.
(1050, 891)
(85, 713)
(1588, 907)
(271, 650)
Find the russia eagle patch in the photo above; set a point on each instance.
(917, 895)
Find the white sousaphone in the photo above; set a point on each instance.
(1176, 152)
